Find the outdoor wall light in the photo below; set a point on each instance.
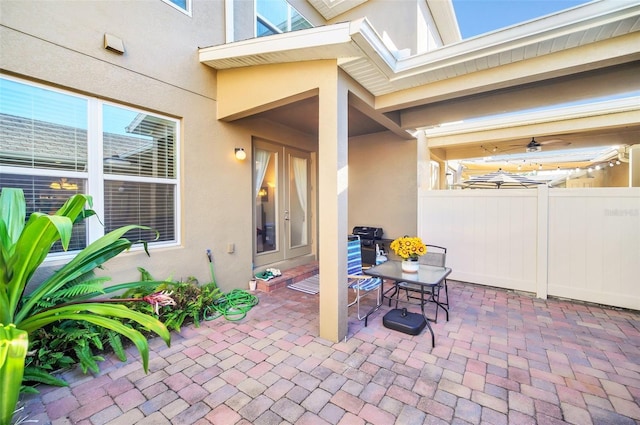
(241, 154)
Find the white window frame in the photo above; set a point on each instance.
(269, 24)
(186, 11)
(96, 177)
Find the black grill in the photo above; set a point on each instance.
(369, 237)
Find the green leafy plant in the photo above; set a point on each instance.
(190, 299)
(23, 247)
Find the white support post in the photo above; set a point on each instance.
(424, 178)
(542, 251)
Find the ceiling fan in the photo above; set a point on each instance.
(535, 146)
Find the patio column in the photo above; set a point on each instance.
(423, 156)
(424, 181)
(332, 206)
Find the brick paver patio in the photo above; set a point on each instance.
(503, 358)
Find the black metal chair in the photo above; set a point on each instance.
(435, 256)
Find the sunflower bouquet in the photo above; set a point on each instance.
(408, 247)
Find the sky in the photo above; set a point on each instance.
(481, 16)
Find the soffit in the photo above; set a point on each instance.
(303, 117)
(329, 9)
(614, 122)
(363, 55)
(442, 11)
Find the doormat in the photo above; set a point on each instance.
(310, 285)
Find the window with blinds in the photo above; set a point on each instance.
(54, 144)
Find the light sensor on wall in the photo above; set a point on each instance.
(241, 154)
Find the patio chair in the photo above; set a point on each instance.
(435, 256)
(360, 283)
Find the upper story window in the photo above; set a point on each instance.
(278, 16)
(54, 144)
(182, 5)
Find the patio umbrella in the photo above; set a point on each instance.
(499, 179)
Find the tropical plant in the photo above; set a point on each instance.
(190, 300)
(68, 294)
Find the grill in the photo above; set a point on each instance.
(369, 237)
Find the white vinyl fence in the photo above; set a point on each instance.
(582, 244)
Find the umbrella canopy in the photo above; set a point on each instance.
(500, 179)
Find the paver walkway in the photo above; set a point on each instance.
(503, 358)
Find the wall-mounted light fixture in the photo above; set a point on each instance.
(241, 154)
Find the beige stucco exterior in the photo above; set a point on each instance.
(158, 72)
(362, 178)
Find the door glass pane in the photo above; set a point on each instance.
(298, 204)
(266, 200)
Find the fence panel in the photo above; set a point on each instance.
(587, 241)
(594, 245)
(490, 235)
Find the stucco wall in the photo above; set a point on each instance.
(410, 27)
(160, 72)
(382, 184)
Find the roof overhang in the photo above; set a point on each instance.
(329, 9)
(442, 11)
(613, 121)
(362, 53)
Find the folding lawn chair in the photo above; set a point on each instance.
(358, 281)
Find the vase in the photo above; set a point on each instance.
(410, 265)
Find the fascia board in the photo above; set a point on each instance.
(580, 19)
(626, 105)
(344, 42)
(313, 43)
(373, 47)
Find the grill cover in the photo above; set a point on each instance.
(366, 232)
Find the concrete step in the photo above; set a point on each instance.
(293, 275)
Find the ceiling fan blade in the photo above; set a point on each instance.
(535, 142)
(555, 142)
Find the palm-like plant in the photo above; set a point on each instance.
(23, 247)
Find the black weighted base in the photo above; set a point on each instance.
(403, 321)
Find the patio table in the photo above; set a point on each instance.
(428, 278)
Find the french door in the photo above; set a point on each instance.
(282, 214)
